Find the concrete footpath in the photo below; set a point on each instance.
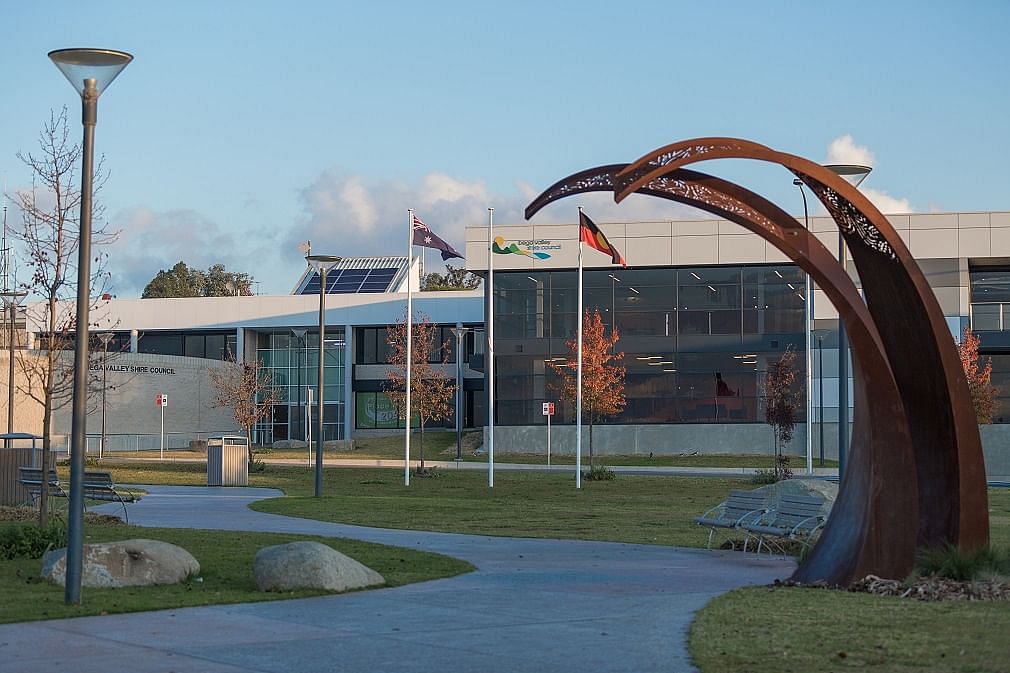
(531, 605)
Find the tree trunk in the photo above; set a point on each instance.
(420, 450)
(590, 442)
(47, 439)
(248, 444)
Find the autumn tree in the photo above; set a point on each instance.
(983, 393)
(452, 279)
(48, 237)
(431, 388)
(602, 375)
(782, 399)
(246, 388)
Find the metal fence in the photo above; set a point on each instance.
(126, 443)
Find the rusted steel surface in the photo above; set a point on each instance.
(866, 533)
(947, 449)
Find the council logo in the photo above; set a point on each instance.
(530, 249)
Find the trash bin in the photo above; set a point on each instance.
(18, 449)
(227, 461)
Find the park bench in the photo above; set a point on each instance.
(97, 486)
(738, 509)
(796, 517)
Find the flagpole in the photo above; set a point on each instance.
(578, 374)
(490, 348)
(410, 330)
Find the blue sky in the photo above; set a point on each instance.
(243, 128)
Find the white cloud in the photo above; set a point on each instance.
(359, 203)
(844, 150)
(437, 187)
(885, 203)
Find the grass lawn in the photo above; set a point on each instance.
(225, 571)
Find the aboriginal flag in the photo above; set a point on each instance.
(591, 235)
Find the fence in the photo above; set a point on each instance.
(126, 443)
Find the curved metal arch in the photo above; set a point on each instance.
(948, 454)
(851, 546)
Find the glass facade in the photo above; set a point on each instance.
(293, 364)
(697, 341)
(990, 321)
(214, 345)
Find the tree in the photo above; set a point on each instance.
(247, 388)
(431, 389)
(49, 237)
(184, 281)
(602, 376)
(453, 279)
(983, 393)
(782, 399)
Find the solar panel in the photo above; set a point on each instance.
(351, 281)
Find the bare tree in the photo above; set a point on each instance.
(782, 400)
(246, 388)
(48, 238)
(431, 389)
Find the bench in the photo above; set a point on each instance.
(740, 508)
(797, 517)
(97, 486)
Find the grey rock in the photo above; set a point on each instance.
(826, 490)
(126, 563)
(310, 565)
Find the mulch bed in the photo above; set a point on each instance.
(29, 514)
(926, 588)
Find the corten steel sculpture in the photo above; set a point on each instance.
(882, 514)
(855, 542)
(953, 507)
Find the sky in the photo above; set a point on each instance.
(242, 129)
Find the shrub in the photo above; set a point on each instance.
(963, 566)
(600, 473)
(763, 477)
(30, 541)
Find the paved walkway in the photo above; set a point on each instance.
(532, 605)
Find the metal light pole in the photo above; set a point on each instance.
(300, 335)
(322, 264)
(820, 334)
(459, 333)
(89, 71)
(854, 174)
(10, 298)
(808, 319)
(105, 338)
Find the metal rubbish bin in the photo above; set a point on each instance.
(227, 461)
(18, 449)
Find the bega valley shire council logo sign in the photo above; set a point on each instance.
(533, 248)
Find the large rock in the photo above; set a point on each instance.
(819, 488)
(127, 563)
(310, 565)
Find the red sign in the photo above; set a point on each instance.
(161, 400)
(548, 408)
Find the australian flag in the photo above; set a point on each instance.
(424, 237)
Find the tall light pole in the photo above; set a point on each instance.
(459, 333)
(808, 319)
(11, 298)
(322, 264)
(820, 334)
(105, 338)
(89, 71)
(854, 174)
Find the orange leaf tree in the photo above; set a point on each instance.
(983, 393)
(247, 388)
(782, 400)
(431, 389)
(602, 375)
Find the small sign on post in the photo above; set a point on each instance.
(548, 412)
(161, 399)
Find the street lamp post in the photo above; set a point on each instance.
(89, 71)
(322, 264)
(854, 174)
(11, 298)
(459, 333)
(808, 320)
(820, 334)
(105, 338)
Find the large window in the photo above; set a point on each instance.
(214, 345)
(697, 341)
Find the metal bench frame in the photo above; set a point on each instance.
(97, 486)
(797, 517)
(733, 513)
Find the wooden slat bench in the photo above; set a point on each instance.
(97, 486)
(740, 508)
(797, 517)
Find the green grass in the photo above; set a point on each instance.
(225, 571)
(782, 630)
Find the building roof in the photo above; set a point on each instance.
(358, 275)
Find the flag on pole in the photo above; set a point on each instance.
(591, 235)
(424, 237)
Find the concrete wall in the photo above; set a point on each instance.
(27, 412)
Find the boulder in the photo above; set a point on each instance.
(127, 563)
(827, 490)
(310, 565)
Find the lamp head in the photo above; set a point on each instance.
(90, 71)
(854, 174)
